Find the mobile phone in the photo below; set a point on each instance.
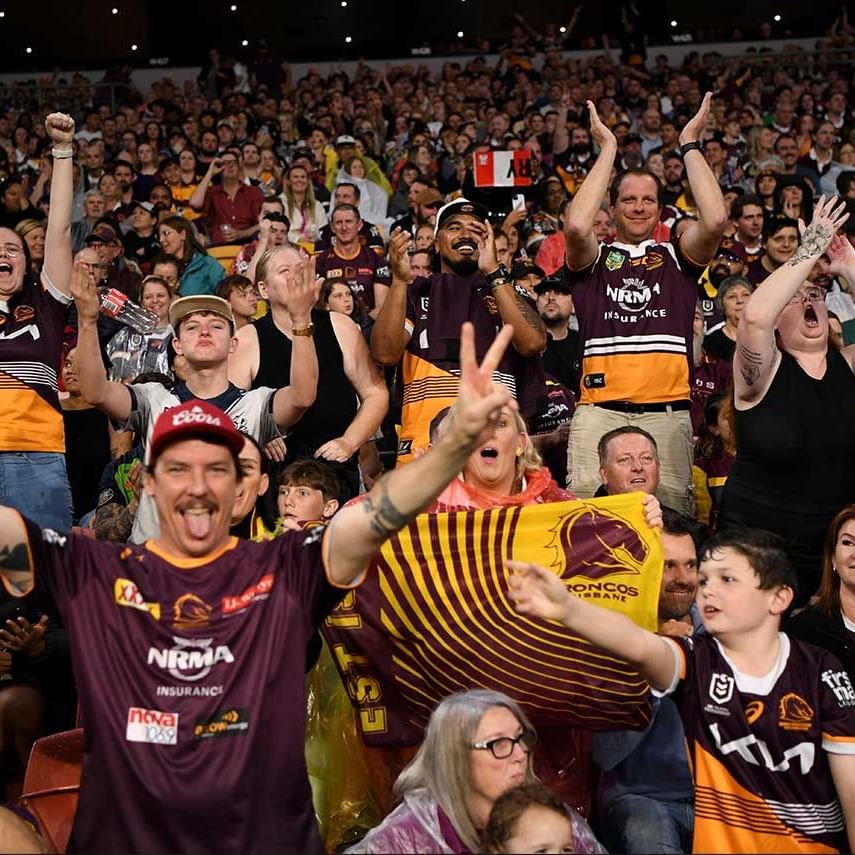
(518, 202)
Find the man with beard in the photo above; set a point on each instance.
(550, 427)
(574, 163)
(124, 173)
(729, 260)
(674, 174)
(421, 322)
(646, 795)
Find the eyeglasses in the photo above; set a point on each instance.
(727, 256)
(12, 250)
(503, 746)
(813, 295)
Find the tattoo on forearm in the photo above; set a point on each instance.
(15, 566)
(814, 241)
(113, 523)
(385, 518)
(750, 363)
(530, 315)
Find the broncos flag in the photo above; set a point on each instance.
(433, 617)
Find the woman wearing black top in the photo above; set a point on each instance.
(87, 443)
(795, 405)
(830, 623)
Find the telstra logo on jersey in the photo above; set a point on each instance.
(191, 659)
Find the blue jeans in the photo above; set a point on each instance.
(640, 824)
(36, 484)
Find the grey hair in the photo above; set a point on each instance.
(442, 764)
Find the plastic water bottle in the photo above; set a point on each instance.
(120, 307)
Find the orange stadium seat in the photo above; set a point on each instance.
(52, 783)
(225, 255)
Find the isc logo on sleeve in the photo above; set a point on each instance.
(153, 726)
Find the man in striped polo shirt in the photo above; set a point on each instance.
(635, 300)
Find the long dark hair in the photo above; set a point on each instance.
(191, 242)
(829, 587)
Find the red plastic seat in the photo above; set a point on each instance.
(52, 783)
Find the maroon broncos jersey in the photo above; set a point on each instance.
(758, 747)
(191, 680)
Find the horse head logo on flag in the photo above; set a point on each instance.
(592, 542)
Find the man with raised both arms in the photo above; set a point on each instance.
(635, 301)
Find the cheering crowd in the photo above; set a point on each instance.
(249, 329)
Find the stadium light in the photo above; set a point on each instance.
(460, 34)
(348, 40)
(777, 18)
(134, 47)
(673, 23)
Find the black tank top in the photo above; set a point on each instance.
(336, 403)
(795, 462)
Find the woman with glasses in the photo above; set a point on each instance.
(478, 745)
(795, 404)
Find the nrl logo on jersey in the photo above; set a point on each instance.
(615, 260)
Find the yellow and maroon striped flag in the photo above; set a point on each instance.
(433, 617)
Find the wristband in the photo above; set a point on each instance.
(62, 153)
(685, 148)
(307, 331)
(501, 272)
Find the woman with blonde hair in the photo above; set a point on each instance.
(304, 211)
(478, 744)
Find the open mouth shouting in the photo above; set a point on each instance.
(810, 318)
(5, 268)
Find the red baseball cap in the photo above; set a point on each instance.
(193, 419)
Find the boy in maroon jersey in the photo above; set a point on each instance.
(189, 650)
(770, 722)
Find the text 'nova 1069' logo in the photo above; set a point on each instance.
(152, 726)
(594, 543)
(191, 659)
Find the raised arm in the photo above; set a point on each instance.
(756, 357)
(538, 592)
(112, 398)
(700, 241)
(57, 266)
(389, 337)
(581, 245)
(261, 246)
(197, 200)
(529, 330)
(370, 388)
(302, 287)
(356, 532)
